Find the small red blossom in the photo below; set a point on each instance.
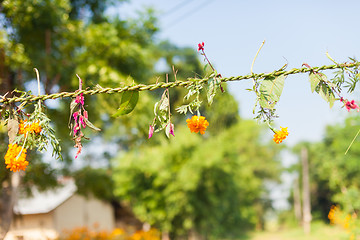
(82, 122)
(350, 104)
(80, 99)
(172, 129)
(201, 46)
(151, 131)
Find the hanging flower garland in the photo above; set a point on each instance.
(27, 131)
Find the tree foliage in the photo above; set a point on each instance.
(192, 183)
(335, 170)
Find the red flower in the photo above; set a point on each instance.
(201, 46)
(151, 131)
(172, 129)
(80, 99)
(350, 105)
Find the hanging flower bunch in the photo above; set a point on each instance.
(27, 131)
(280, 135)
(15, 158)
(79, 119)
(197, 124)
(162, 113)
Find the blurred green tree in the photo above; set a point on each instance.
(336, 171)
(333, 175)
(199, 184)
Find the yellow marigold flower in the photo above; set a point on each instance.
(15, 158)
(280, 135)
(117, 231)
(197, 124)
(29, 128)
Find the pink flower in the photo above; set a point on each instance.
(351, 105)
(75, 115)
(151, 131)
(201, 46)
(78, 145)
(80, 99)
(85, 114)
(172, 129)
(81, 119)
(76, 128)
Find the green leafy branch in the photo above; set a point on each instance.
(268, 91)
(194, 94)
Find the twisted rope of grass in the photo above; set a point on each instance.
(190, 81)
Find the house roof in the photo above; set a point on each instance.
(44, 202)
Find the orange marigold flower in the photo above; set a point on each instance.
(280, 135)
(29, 128)
(197, 124)
(15, 158)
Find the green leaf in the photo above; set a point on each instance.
(213, 86)
(315, 80)
(73, 107)
(156, 108)
(90, 125)
(164, 106)
(129, 100)
(182, 109)
(326, 93)
(271, 89)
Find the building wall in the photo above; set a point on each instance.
(32, 227)
(79, 211)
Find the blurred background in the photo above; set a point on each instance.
(233, 182)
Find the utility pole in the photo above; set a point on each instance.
(297, 200)
(306, 191)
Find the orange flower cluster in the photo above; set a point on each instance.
(152, 234)
(336, 216)
(81, 233)
(15, 158)
(279, 136)
(29, 128)
(197, 124)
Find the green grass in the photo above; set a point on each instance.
(319, 231)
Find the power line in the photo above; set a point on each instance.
(189, 13)
(176, 7)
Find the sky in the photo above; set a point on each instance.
(295, 32)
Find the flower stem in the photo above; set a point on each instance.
(38, 82)
(257, 53)
(203, 52)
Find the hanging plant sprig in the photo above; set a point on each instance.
(32, 131)
(214, 82)
(347, 74)
(268, 91)
(79, 118)
(162, 119)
